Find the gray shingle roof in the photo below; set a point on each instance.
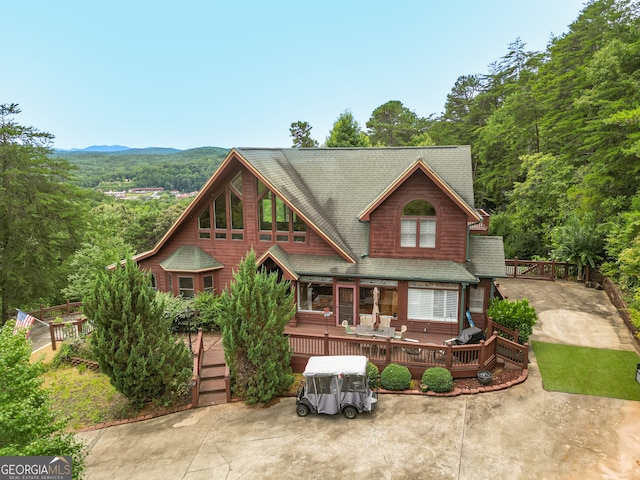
(332, 186)
(486, 255)
(381, 268)
(190, 258)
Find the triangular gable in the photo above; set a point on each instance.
(340, 249)
(279, 257)
(420, 165)
(234, 155)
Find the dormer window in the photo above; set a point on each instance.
(418, 225)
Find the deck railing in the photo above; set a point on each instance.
(540, 270)
(460, 360)
(198, 354)
(71, 328)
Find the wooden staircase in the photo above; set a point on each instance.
(213, 387)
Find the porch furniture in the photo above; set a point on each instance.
(347, 328)
(385, 321)
(400, 335)
(366, 320)
(386, 332)
(364, 330)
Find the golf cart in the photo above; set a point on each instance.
(336, 384)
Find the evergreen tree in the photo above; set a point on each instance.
(301, 133)
(346, 132)
(131, 339)
(393, 125)
(27, 422)
(253, 314)
(41, 215)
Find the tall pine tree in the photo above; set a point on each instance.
(131, 340)
(253, 314)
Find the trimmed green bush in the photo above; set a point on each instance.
(373, 373)
(395, 377)
(516, 315)
(438, 379)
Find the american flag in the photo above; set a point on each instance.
(23, 322)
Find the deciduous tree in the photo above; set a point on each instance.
(28, 425)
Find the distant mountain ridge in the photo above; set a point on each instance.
(95, 148)
(119, 150)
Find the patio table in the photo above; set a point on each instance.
(364, 331)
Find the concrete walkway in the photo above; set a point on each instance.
(520, 433)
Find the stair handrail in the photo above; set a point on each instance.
(198, 351)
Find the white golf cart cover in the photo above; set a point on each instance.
(326, 390)
(336, 365)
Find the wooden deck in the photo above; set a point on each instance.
(339, 332)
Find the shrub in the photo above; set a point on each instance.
(395, 377)
(516, 315)
(207, 306)
(373, 373)
(437, 379)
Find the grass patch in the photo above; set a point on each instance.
(588, 371)
(84, 397)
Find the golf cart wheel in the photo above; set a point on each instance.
(350, 412)
(302, 410)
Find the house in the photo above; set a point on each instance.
(337, 223)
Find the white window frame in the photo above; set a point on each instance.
(429, 304)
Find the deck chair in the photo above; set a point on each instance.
(400, 334)
(366, 320)
(347, 328)
(385, 321)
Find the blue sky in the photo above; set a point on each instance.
(237, 74)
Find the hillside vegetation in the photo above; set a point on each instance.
(183, 170)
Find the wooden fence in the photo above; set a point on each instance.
(540, 270)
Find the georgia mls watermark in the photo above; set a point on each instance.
(35, 468)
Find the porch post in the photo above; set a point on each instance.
(462, 309)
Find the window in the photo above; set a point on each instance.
(277, 220)
(315, 297)
(388, 302)
(476, 299)
(154, 281)
(228, 211)
(207, 283)
(204, 224)
(185, 284)
(433, 304)
(418, 225)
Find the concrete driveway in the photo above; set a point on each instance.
(520, 433)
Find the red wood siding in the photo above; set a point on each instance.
(227, 251)
(451, 226)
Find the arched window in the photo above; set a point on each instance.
(418, 225)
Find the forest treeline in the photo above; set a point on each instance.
(555, 138)
(183, 170)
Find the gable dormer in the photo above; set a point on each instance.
(419, 216)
